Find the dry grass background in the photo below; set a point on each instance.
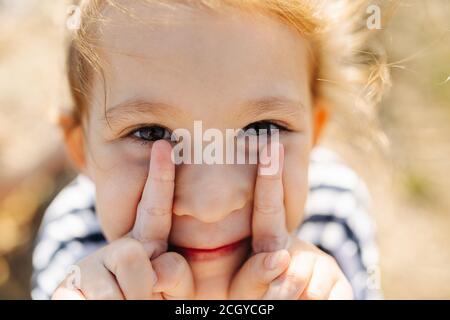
(412, 198)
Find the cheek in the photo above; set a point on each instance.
(295, 179)
(119, 182)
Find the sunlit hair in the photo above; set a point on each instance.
(348, 74)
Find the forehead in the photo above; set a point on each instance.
(196, 57)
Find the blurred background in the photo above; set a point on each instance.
(411, 207)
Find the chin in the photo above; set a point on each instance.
(213, 272)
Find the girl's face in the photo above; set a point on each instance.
(229, 70)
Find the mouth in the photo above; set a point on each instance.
(198, 254)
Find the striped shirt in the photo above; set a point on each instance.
(336, 221)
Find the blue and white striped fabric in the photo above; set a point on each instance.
(336, 220)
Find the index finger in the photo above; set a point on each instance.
(269, 221)
(154, 211)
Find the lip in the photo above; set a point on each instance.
(200, 254)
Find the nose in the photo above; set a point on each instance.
(211, 192)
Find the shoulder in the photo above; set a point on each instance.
(69, 231)
(337, 193)
(337, 217)
(71, 215)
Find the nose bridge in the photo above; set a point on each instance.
(209, 192)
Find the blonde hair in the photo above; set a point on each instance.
(348, 73)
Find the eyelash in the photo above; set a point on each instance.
(137, 133)
(270, 126)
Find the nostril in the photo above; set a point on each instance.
(178, 209)
(209, 210)
(204, 213)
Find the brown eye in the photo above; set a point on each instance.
(152, 133)
(262, 128)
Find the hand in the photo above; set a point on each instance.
(283, 267)
(138, 266)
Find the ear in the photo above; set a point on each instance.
(320, 119)
(74, 140)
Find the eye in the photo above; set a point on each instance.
(151, 133)
(262, 128)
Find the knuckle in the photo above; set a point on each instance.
(98, 286)
(297, 279)
(314, 294)
(268, 209)
(155, 247)
(269, 243)
(152, 210)
(328, 261)
(164, 176)
(292, 285)
(130, 252)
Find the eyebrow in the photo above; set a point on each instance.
(273, 107)
(269, 107)
(131, 109)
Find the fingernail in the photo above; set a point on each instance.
(273, 260)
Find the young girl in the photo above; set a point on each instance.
(138, 227)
